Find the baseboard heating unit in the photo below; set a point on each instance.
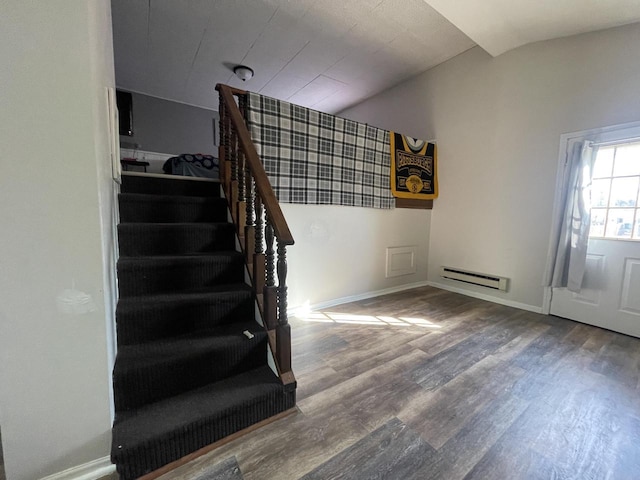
(483, 279)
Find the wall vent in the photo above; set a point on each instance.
(483, 279)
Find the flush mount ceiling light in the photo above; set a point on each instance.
(243, 73)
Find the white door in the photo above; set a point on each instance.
(610, 297)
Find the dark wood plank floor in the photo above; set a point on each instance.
(428, 384)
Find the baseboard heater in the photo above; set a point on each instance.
(483, 279)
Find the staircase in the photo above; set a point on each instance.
(191, 366)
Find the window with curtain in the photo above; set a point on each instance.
(615, 193)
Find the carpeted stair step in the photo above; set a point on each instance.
(169, 186)
(148, 438)
(175, 274)
(138, 239)
(155, 317)
(150, 372)
(136, 207)
(185, 374)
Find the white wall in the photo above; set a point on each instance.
(497, 122)
(341, 251)
(54, 367)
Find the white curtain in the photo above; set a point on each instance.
(568, 253)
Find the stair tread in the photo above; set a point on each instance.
(155, 197)
(139, 426)
(180, 186)
(146, 318)
(219, 337)
(143, 207)
(212, 293)
(172, 224)
(190, 257)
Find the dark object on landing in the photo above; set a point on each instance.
(192, 165)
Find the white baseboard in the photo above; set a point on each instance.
(87, 471)
(488, 298)
(354, 298)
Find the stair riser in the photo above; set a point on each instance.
(169, 186)
(141, 239)
(151, 279)
(134, 462)
(154, 209)
(137, 387)
(158, 321)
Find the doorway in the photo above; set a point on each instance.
(610, 295)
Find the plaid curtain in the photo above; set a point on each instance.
(316, 158)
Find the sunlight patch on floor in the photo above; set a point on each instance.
(350, 318)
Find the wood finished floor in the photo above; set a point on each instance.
(428, 384)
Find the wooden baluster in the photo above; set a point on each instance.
(259, 225)
(271, 254)
(242, 104)
(270, 290)
(242, 196)
(223, 149)
(283, 330)
(241, 206)
(233, 154)
(282, 284)
(242, 191)
(259, 270)
(241, 160)
(249, 229)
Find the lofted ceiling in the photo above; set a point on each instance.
(326, 54)
(502, 25)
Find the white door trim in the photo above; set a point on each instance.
(602, 134)
(614, 133)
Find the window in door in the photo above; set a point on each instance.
(615, 193)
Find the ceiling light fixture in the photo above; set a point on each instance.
(243, 73)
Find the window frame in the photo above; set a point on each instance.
(635, 209)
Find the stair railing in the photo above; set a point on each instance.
(259, 221)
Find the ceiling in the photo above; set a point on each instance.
(326, 54)
(502, 25)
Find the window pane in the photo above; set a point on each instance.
(600, 193)
(620, 222)
(604, 163)
(627, 160)
(624, 192)
(636, 233)
(598, 217)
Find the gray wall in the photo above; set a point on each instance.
(57, 199)
(169, 127)
(497, 122)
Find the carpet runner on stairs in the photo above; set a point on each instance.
(185, 374)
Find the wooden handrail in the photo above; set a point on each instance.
(263, 186)
(262, 230)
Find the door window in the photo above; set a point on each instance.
(615, 193)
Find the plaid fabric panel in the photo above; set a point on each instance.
(316, 158)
